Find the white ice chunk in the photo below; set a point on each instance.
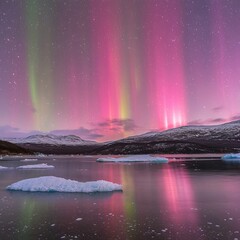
(29, 160)
(57, 184)
(231, 157)
(135, 158)
(36, 166)
(3, 168)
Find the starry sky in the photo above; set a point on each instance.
(107, 69)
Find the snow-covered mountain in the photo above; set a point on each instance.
(187, 139)
(223, 132)
(51, 139)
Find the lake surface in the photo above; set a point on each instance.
(192, 197)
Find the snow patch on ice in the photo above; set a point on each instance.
(231, 157)
(3, 168)
(29, 160)
(57, 184)
(36, 166)
(135, 158)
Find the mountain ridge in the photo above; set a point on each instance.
(50, 139)
(186, 139)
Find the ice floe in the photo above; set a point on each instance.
(3, 168)
(29, 160)
(57, 184)
(231, 157)
(135, 158)
(36, 166)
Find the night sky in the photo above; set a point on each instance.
(106, 69)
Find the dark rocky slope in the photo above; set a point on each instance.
(7, 148)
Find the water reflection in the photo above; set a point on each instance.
(26, 219)
(129, 203)
(181, 205)
(160, 201)
(179, 193)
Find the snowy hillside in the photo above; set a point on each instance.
(187, 139)
(224, 132)
(224, 138)
(51, 139)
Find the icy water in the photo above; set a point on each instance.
(192, 197)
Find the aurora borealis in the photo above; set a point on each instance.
(106, 69)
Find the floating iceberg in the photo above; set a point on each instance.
(36, 166)
(136, 158)
(3, 168)
(29, 160)
(231, 157)
(57, 184)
